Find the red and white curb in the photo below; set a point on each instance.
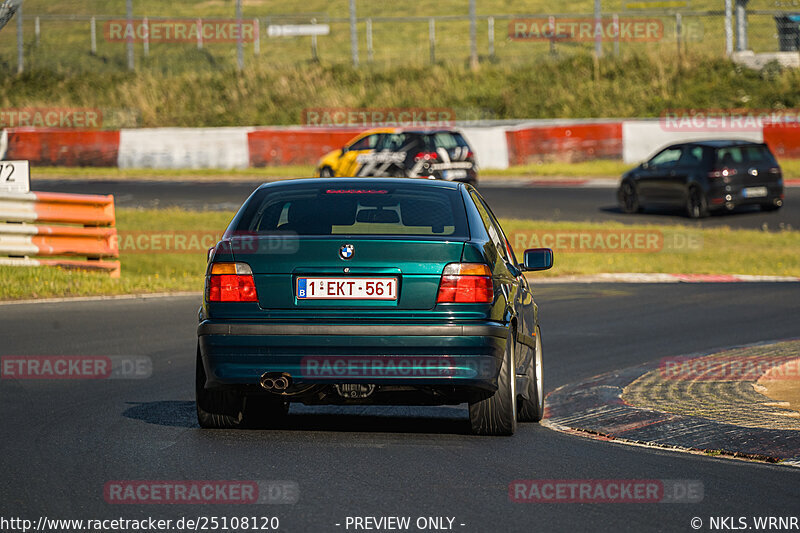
(666, 278)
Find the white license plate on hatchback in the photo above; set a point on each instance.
(454, 174)
(754, 192)
(346, 288)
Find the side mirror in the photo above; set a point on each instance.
(538, 259)
(344, 150)
(645, 165)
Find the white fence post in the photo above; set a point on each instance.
(93, 31)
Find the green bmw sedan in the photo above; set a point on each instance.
(368, 291)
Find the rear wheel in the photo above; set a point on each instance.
(326, 172)
(770, 207)
(497, 414)
(216, 409)
(696, 205)
(628, 198)
(532, 409)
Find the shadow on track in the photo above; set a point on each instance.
(351, 419)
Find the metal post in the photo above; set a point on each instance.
(432, 38)
(20, 43)
(370, 52)
(551, 20)
(129, 9)
(93, 31)
(146, 39)
(491, 37)
(199, 34)
(36, 29)
(741, 25)
(353, 33)
(616, 34)
(239, 41)
(678, 32)
(256, 37)
(728, 27)
(598, 39)
(473, 35)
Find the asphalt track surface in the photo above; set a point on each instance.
(63, 440)
(541, 203)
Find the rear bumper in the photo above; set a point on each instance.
(418, 354)
(719, 197)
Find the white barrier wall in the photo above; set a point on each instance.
(643, 138)
(184, 148)
(489, 145)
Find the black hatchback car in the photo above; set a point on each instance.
(705, 176)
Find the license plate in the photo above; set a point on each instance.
(453, 174)
(346, 289)
(754, 192)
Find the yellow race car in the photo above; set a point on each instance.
(403, 152)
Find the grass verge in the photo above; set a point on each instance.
(677, 249)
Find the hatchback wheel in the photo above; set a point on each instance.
(628, 198)
(497, 414)
(216, 409)
(326, 172)
(532, 409)
(696, 205)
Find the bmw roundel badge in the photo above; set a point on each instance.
(347, 251)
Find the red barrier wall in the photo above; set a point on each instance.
(295, 146)
(784, 141)
(568, 143)
(68, 148)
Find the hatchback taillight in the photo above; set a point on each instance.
(427, 156)
(466, 283)
(723, 173)
(231, 282)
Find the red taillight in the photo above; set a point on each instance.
(466, 283)
(722, 173)
(426, 156)
(231, 282)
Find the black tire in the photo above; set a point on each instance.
(216, 409)
(326, 172)
(532, 409)
(497, 414)
(696, 204)
(769, 207)
(628, 198)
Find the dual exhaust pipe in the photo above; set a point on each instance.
(275, 381)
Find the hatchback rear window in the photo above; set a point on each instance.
(356, 209)
(444, 139)
(749, 154)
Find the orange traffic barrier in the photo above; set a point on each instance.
(92, 234)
